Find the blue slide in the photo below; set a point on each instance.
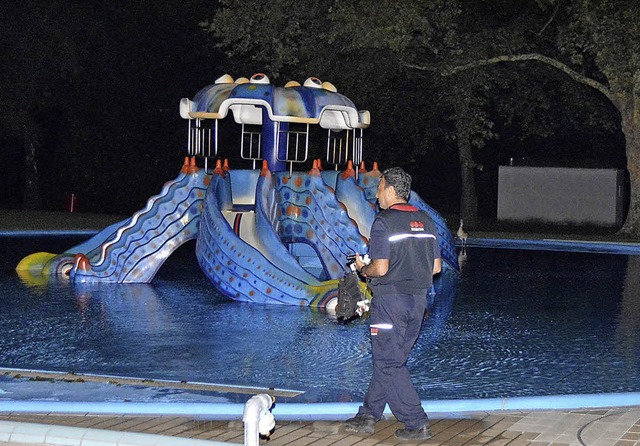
(289, 244)
(240, 245)
(264, 237)
(138, 247)
(133, 250)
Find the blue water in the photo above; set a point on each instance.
(522, 323)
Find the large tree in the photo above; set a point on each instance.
(323, 38)
(595, 43)
(456, 46)
(456, 43)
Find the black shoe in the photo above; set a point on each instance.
(421, 433)
(361, 423)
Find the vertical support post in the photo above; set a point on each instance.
(270, 136)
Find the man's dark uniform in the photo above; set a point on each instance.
(407, 237)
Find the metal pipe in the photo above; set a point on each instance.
(257, 418)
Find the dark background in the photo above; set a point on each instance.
(100, 85)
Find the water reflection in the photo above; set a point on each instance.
(628, 329)
(38, 282)
(138, 301)
(33, 280)
(522, 323)
(177, 331)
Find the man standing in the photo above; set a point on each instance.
(405, 255)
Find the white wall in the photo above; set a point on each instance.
(560, 195)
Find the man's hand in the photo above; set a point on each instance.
(437, 266)
(361, 261)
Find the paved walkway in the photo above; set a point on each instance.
(605, 427)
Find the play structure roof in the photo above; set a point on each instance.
(314, 102)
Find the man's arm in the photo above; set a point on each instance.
(377, 267)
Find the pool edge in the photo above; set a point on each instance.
(327, 411)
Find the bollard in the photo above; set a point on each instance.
(72, 203)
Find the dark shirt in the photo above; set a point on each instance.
(407, 237)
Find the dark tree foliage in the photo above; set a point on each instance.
(92, 89)
(444, 108)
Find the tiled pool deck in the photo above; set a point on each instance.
(602, 427)
(614, 426)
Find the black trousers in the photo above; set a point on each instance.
(395, 326)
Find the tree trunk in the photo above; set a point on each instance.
(631, 129)
(31, 195)
(468, 196)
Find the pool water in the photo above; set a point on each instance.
(521, 323)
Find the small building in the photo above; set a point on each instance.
(556, 195)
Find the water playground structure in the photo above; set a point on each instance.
(269, 234)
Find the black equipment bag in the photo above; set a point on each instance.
(349, 294)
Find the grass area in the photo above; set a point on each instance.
(20, 220)
(535, 230)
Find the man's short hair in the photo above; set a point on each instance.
(400, 180)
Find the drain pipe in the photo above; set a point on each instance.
(258, 419)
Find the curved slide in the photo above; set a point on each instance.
(447, 243)
(133, 250)
(289, 245)
(139, 247)
(247, 260)
(49, 264)
(311, 215)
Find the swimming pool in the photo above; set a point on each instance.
(523, 323)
